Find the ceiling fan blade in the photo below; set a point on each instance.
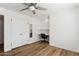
(24, 9)
(26, 3)
(40, 8)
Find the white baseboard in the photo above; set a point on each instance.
(64, 48)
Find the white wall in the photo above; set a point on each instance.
(36, 26)
(20, 30)
(64, 26)
(10, 37)
(16, 29)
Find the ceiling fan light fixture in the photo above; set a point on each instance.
(32, 8)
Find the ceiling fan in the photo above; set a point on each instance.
(32, 7)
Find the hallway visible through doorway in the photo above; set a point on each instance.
(1, 33)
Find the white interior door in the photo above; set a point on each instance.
(20, 32)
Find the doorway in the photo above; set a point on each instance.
(1, 33)
(44, 30)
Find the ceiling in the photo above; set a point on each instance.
(40, 14)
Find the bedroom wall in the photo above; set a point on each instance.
(16, 29)
(12, 36)
(64, 26)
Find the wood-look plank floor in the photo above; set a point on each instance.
(40, 49)
(1, 49)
